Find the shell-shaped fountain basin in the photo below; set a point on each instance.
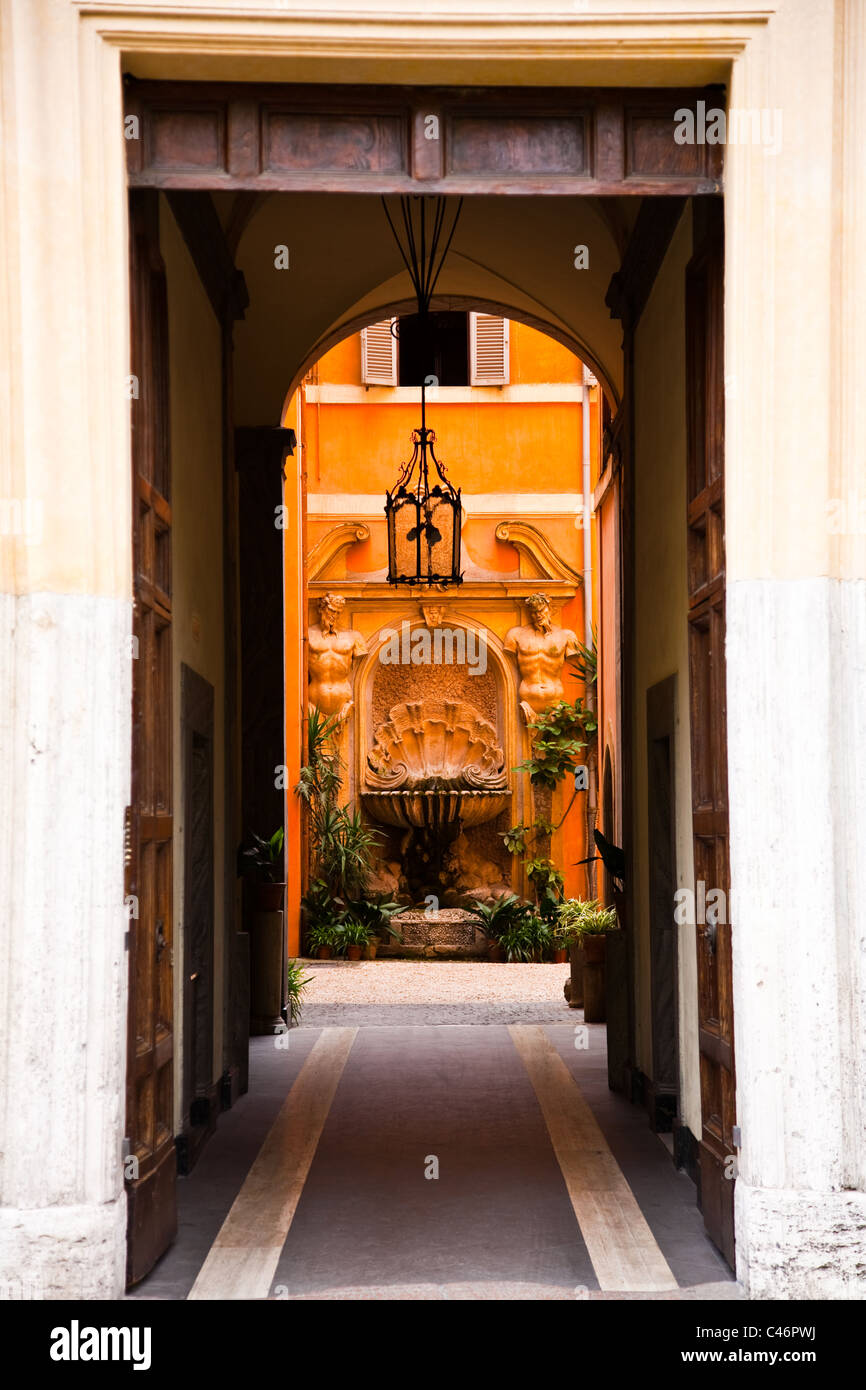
(434, 763)
(434, 810)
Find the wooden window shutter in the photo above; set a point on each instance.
(379, 354)
(488, 350)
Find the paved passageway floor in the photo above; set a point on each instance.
(436, 1130)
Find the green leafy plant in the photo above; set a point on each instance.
(548, 883)
(500, 915)
(342, 845)
(558, 737)
(297, 983)
(375, 911)
(320, 906)
(527, 939)
(585, 661)
(325, 934)
(265, 857)
(518, 838)
(353, 933)
(344, 849)
(577, 919)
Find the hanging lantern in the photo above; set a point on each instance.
(423, 509)
(423, 519)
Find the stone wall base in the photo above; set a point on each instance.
(76, 1252)
(800, 1244)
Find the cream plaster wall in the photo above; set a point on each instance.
(197, 578)
(661, 632)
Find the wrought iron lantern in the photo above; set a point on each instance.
(423, 509)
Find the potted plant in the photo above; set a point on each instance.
(355, 936)
(341, 847)
(541, 935)
(497, 916)
(325, 939)
(585, 925)
(516, 942)
(265, 859)
(296, 984)
(375, 912)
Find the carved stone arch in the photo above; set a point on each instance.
(465, 303)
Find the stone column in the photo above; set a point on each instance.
(65, 661)
(796, 634)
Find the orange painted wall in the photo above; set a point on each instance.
(523, 449)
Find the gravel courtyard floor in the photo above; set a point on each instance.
(393, 993)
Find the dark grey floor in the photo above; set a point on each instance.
(499, 1210)
(497, 1218)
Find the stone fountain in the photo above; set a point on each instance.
(435, 770)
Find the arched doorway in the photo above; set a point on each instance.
(284, 331)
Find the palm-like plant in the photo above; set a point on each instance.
(342, 845)
(500, 914)
(375, 912)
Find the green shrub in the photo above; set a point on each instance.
(576, 919)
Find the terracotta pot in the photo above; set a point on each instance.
(494, 951)
(370, 950)
(560, 955)
(267, 897)
(354, 952)
(324, 953)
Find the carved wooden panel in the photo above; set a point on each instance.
(186, 138)
(397, 139)
(522, 146)
(295, 141)
(652, 153)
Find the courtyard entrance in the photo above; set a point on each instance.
(583, 219)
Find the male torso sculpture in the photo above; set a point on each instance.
(541, 650)
(331, 654)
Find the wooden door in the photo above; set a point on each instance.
(152, 1213)
(706, 571)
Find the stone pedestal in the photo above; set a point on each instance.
(451, 932)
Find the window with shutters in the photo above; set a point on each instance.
(379, 354)
(455, 348)
(488, 350)
(434, 346)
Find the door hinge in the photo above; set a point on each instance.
(125, 1147)
(737, 1137)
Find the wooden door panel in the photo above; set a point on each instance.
(708, 710)
(152, 1209)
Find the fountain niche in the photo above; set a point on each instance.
(436, 773)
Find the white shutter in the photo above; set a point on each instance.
(379, 354)
(488, 350)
